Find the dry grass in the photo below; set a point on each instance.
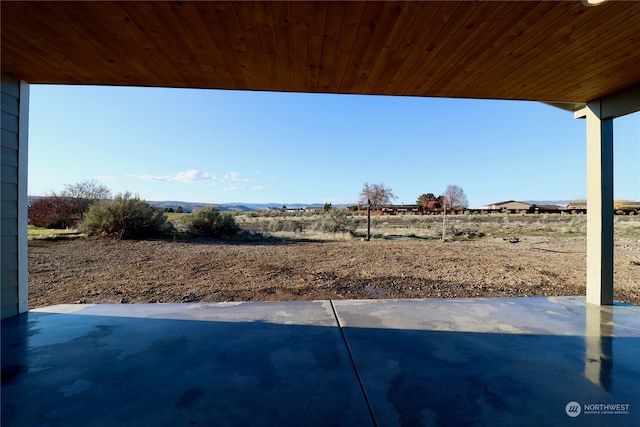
(457, 227)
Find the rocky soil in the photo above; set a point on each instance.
(149, 271)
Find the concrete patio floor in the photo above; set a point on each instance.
(455, 362)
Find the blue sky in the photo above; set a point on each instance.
(261, 147)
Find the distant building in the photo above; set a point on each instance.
(509, 204)
(550, 208)
(314, 209)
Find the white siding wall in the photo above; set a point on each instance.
(13, 196)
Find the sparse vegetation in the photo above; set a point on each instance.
(40, 233)
(211, 222)
(471, 226)
(519, 255)
(66, 209)
(125, 217)
(338, 221)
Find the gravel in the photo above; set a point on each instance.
(91, 270)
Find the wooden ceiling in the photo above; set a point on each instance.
(560, 51)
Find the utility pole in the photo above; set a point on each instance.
(368, 219)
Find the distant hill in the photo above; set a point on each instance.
(191, 206)
(237, 206)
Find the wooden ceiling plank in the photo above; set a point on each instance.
(485, 68)
(629, 79)
(129, 44)
(125, 32)
(266, 29)
(427, 63)
(191, 62)
(477, 37)
(334, 23)
(33, 64)
(427, 43)
(557, 51)
(282, 20)
(242, 53)
(400, 18)
(171, 37)
(619, 74)
(588, 47)
(39, 44)
(43, 18)
(251, 37)
(381, 34)
(421, 34)
(224, 28)
(483, 55)
(559, 42)
(184, 22)
(350, 24)
(105, 56)
(464, 39)
(317, 19)
(299, 36)
(170, 59)
(618, 67)
(395, 50)
(72, 29)
(530, 52)
(215, 64)
(370, 16)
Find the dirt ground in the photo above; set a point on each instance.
(149, 271)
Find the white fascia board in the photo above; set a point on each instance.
(23, 201)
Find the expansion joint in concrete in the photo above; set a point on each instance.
(355, 367)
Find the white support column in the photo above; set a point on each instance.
(23, 199)
(599, 206)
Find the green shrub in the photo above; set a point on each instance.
(210, 222)
(338, 221)
(125, 217)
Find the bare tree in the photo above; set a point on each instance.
(379, 195)
(89, 190)
(455, 198)
(85, 193)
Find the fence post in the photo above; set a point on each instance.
(444, 216)
(368, 219)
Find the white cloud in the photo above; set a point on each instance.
(234, 188)
(102, 178)
(150, 177)
(259, 188)
(191, 176)
(235, 177)
(188, 177)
